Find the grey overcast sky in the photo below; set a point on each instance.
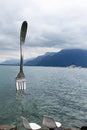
(52, 25)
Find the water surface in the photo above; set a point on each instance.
(58, 92)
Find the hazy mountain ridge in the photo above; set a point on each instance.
(39, 59)
(10, 62)
(63, 58)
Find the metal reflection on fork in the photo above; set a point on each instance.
(20, 79)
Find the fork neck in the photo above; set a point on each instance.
(21, 56)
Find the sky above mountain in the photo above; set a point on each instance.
(52, 25)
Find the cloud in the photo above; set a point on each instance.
(52, 25)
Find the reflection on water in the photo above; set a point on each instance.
(26, 107)
(20, 100)
(20, 105)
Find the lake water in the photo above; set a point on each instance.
(57, 92)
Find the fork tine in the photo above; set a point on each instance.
(20, 84)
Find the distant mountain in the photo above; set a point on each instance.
(11, 62)
(37, 60)
(63, 58)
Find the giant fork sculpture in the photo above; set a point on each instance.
(20, 79)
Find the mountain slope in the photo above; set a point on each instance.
(38, 59)
(63, 58)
